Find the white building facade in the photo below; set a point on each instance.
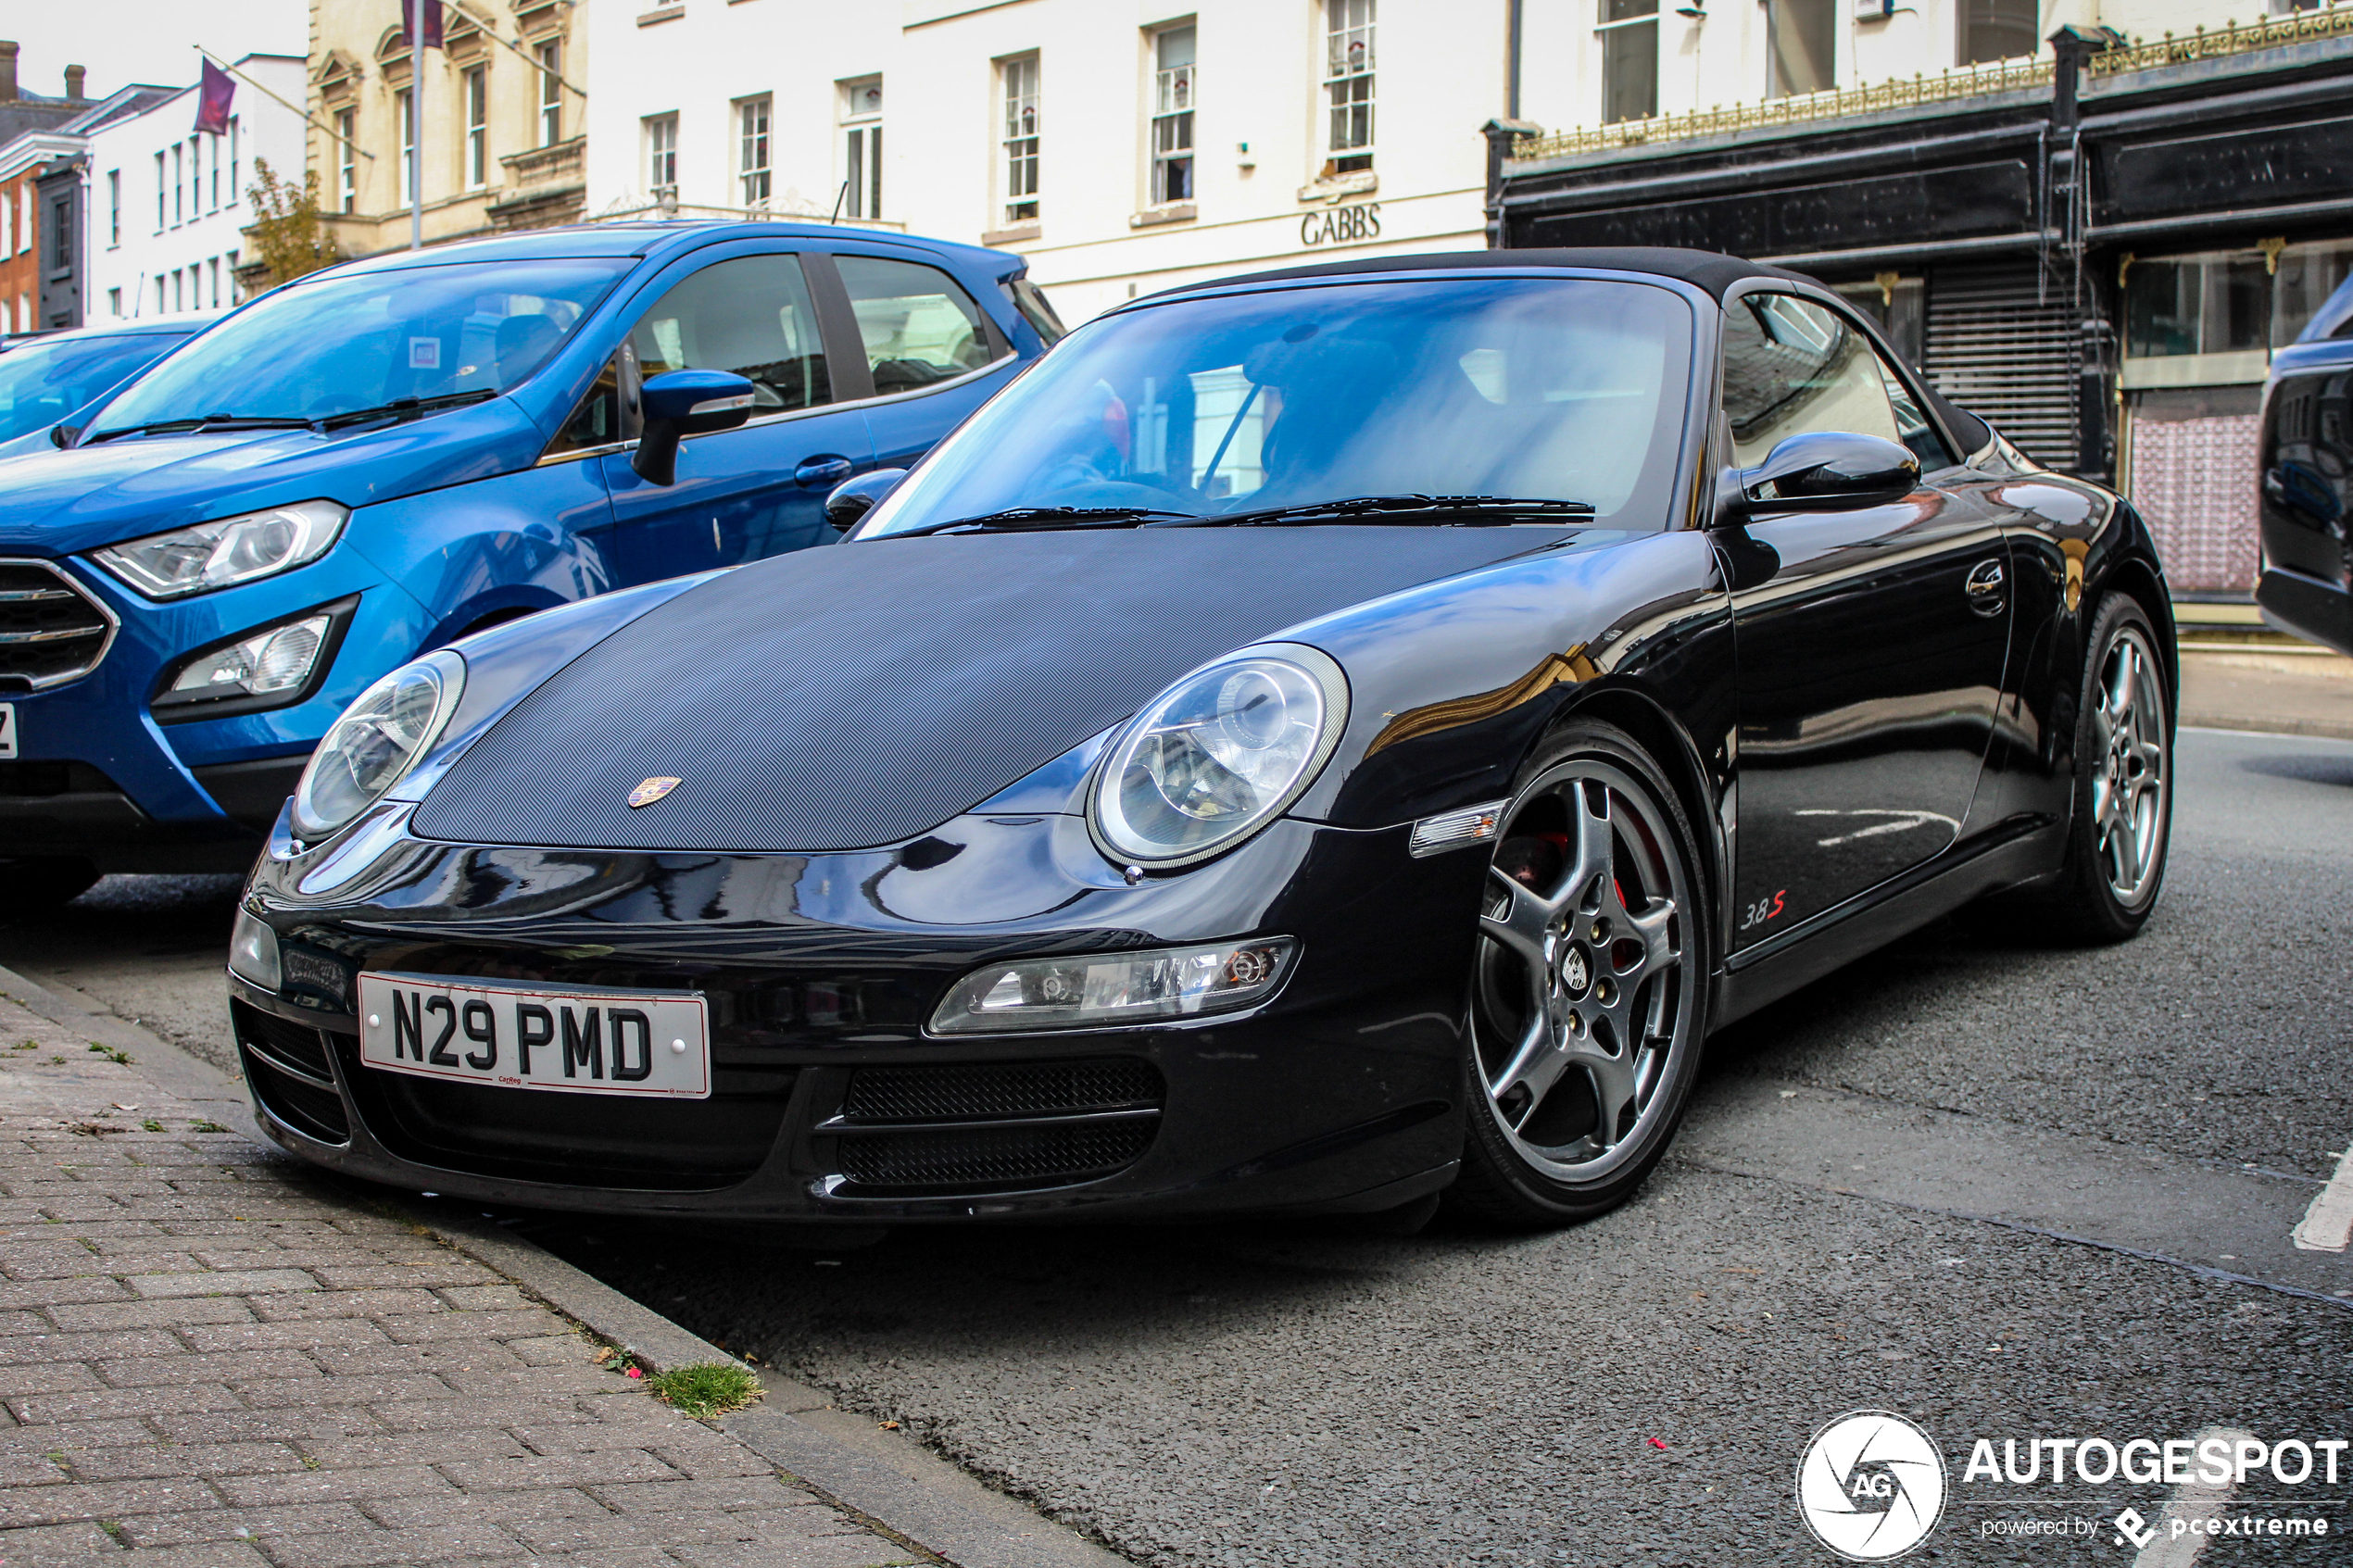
(1121, 148)
(165, 202)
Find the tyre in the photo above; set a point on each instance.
(2119, 824)
(1587, 990)
(43, 883)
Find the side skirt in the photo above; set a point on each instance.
(2017, 851)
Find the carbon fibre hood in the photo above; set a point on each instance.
(862, 695)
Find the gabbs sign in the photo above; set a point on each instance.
(1340, 225)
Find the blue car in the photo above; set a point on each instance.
(46, 380)
(379, 458)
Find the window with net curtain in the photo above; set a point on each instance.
(1801, 46)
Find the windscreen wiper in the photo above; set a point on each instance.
(405, 408)
(205, 422)
(1488, 511)
(1017, 519)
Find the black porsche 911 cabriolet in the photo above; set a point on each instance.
(1319, 740)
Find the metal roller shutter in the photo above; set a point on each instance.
(2006, 355)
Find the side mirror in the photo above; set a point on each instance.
(680, 403)
(64, 436)
(1825, 471)
(853, 498)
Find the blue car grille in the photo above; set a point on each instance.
(50, 631)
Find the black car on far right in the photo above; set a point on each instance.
(2307, 467)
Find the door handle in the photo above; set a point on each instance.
(1984, 587)
(827, 471)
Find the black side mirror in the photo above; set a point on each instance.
(64, 436)
(1822, 470)
(853, 498)
(679, 403)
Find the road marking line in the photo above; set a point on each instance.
(2327, 1225)
(2193, 1499)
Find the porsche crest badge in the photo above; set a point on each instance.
(650, 791)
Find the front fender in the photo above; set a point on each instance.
(1452, 683)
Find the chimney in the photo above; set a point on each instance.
(73, 82)
(7, 72)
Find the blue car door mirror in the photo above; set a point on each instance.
(683, 403)
(854, 499)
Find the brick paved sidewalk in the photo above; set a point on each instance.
(210, 1356)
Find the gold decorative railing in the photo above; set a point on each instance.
(2302, 27)
(1968, 81)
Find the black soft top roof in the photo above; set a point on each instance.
(1706, 269)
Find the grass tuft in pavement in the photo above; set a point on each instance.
(707, 1388)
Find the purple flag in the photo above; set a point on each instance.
(213, 94)
(433, 21)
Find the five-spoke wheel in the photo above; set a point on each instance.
(1586, 990)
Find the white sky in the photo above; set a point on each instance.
(127, 41)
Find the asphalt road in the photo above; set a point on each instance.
(2011, 1193)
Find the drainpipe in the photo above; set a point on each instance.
(1511, 59)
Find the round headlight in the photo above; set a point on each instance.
(375, 743)
(1218, 754)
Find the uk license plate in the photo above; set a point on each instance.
(587, 1040)
(7, 730)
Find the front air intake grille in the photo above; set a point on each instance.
(994, 1158)
(50, 631)
(991, 1090)
(46, 781)
(288, 1044)
(992, 1127)
(287, 1066)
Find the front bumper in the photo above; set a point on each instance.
(98, 778)
(1341, 1092)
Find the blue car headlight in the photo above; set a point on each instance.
(377, 741)
(1218, 756)
(223, 554)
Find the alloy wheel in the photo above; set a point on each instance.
(1584, 992)
(2129, 776)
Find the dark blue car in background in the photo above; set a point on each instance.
(382, 458)
(2307, 485)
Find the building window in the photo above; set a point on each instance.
(213, 267)
(158, 294)
(114, 210)
(1020, 140)
(212, 164)
(551, 92)
(1630, 59)
(1801, 46)
(862, 148)
(346, 161)
(159, 193)
(61, 235)
(408, 104)
(113, 301)
(179, 297)
(233, 160)
(661, 155)
(1999, 30)
(179, 197)
(229, 264)
(1348, 84)
(1172, 130)
(196, 178)
(752, 171)
(477, 87)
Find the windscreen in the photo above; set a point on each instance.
(43, 382)
(342, 345)
(1524, 389)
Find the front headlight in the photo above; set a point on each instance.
(268, 668)
(219, 555)
(375, 743)
(1218, 756)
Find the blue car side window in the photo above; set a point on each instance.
(751, 316)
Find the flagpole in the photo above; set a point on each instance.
(416, 121)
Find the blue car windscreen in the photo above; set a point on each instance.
(43, 382)
(345, 345)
